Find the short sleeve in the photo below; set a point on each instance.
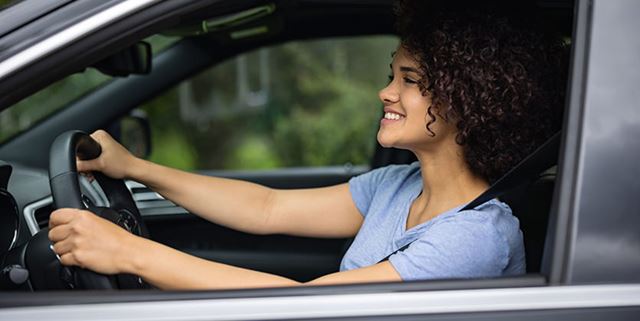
(364, 187)
(466, 245)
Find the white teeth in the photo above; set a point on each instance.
(392, 116)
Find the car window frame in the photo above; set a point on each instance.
(561, 218)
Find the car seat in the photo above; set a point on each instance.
(531, 204)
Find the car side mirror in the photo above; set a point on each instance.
(134, 133)
(133, 60)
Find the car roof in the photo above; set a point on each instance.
(31, 21)
(24, 12)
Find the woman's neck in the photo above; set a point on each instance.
(447, 181)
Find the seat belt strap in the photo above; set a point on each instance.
(396, 251)
(525, 171)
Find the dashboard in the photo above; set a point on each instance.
(9, 215)
(25, 207)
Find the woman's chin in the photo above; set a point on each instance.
(384, 142)
(390, 143)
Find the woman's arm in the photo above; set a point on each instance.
(244, 206)
(170, 269)
(83, 239)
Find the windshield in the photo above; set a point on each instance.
(7, 3)
(37, 107)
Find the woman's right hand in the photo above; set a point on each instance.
(115, 161)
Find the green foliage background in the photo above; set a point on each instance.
(323, 110)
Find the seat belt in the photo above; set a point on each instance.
(525, 171)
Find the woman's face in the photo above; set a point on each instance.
(405, 109)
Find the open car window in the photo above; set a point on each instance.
(276, 107)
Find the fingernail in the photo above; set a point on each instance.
(54, 252)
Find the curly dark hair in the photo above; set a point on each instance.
(501, 80)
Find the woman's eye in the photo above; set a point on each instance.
(409, 81)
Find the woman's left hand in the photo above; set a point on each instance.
(83, 239)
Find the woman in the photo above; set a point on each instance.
(469, 94)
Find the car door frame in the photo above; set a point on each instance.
(571, 292)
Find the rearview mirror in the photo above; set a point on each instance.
(133, 60)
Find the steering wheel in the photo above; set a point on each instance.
(122, 210)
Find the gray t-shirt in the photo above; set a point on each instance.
(479, 243)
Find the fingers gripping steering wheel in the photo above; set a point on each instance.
(65, 189)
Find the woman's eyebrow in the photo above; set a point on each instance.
(408, 69)
(405, 69)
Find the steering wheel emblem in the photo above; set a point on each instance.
(128, 222)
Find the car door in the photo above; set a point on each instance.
(590, 261)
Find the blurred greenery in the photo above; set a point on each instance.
(321, 108)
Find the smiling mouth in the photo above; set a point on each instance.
(392, 116)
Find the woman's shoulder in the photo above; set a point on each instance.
(380, 185)
(491, 208)
(492, 216)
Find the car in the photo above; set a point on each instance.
(267, 91)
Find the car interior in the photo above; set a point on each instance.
(203, 38)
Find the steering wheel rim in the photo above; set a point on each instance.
(65, 189)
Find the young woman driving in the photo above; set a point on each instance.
(469, 94)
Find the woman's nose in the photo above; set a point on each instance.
(388, 94)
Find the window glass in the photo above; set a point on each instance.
(300, 104)
(7, 3)
(60, 94)
(38, 106)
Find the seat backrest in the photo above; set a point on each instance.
(531, 204)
